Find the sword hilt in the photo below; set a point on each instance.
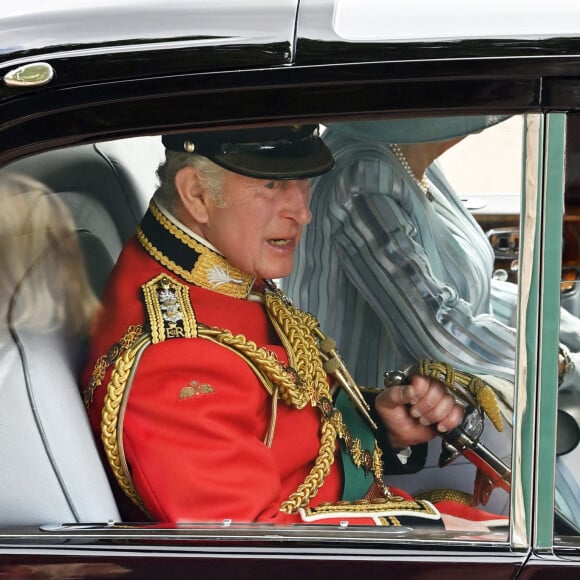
(464, 440)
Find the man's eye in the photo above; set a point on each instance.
(271, 184)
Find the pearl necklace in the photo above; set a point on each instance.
(423, 183)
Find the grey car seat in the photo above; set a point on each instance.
(51, 471)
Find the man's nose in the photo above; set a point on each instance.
(298, 200)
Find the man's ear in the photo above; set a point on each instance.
(196, 202)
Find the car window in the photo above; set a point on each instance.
(492, 197)
(366, 294)
(447, 246)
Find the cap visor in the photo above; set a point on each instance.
(283, 162)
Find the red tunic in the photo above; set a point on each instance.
(201, 457)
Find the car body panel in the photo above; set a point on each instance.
(151, 566)
(257, 551)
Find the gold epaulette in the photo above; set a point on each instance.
(169, 310)
(169, 315)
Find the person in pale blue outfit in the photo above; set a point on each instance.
(396, 269)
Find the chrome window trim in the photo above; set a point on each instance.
(552, 202)
(522, 466)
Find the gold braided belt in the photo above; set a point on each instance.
(300, 383)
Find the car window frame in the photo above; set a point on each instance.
(550, 209)
(107, 528)
(521, 529)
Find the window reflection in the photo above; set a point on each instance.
(398, 266)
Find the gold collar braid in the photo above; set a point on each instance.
(188, 258)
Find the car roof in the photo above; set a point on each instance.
(254, 33)
(182, 32)
(400, 30)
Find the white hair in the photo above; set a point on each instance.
(210, 175)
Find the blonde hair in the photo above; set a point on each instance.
(211, 177)
(43, 282)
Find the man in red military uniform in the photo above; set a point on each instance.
(207, 388)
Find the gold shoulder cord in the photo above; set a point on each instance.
(302, 382)
(300, 336)
(122, 355)
(113, 413)
(295, 328)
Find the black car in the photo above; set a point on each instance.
(86, 90)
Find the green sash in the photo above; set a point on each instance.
(356, 481)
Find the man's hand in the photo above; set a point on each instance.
(415, 413)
